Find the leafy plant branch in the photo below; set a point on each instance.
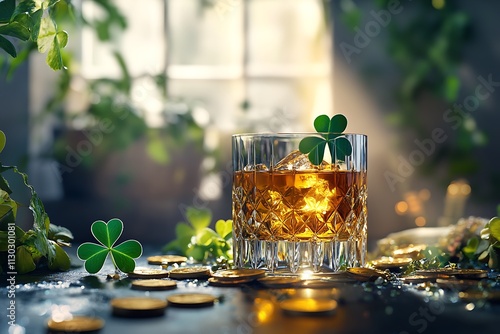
(42, 242)
(197, 240)
(33, 21)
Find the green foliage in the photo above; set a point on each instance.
(26, 22)
(197, 240)
(107, 234)
(331, 133)
(38, 245)
(486, 247)
(488, 250)
(433, 257)
(426, 47)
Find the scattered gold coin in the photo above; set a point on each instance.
(214, 281)
(457, 284)
(412, 251)
(452, 272)
(138, 307)
(154, 284)
(191, 300)
(417, 279)
(76, 325)
(146, 273)
(305, 306)
(337, 277)
(391, 263)
(237, 274)
(166, 259)
(367, 274)
(279, 282)
(473, 296)
(189, 272)
(323, 283)
(471, 274)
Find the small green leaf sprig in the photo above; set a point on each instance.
(197, 240)
(331, 134)
(107, 234)
(486, 250)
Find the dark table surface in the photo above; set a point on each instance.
(250, 308)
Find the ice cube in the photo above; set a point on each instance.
(296, 160)
(255, 168)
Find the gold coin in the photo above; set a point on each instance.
(391, 263)
(412, 251)
(236, 274)
(166, 259)
(367, 274)
(146, 273)
(457, 284)
(417, 279)
(279, 282)
(304, 306)
(471, 273)
(472, 296)
(323, 283)
(221, 283)
(451, 272)
(76, 325)
(337, 277)
(154, 284)
(189, 272)
(138, 307)
(191, 300)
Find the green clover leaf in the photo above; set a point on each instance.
(107, 234)
(331, 135)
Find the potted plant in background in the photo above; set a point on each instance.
(109, 150)
(108, 153)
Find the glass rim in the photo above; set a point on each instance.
(294, 134)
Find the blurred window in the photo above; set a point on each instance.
(253, 64)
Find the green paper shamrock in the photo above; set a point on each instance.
(331, 133)
(107, 234)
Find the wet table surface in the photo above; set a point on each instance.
(250, 308)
